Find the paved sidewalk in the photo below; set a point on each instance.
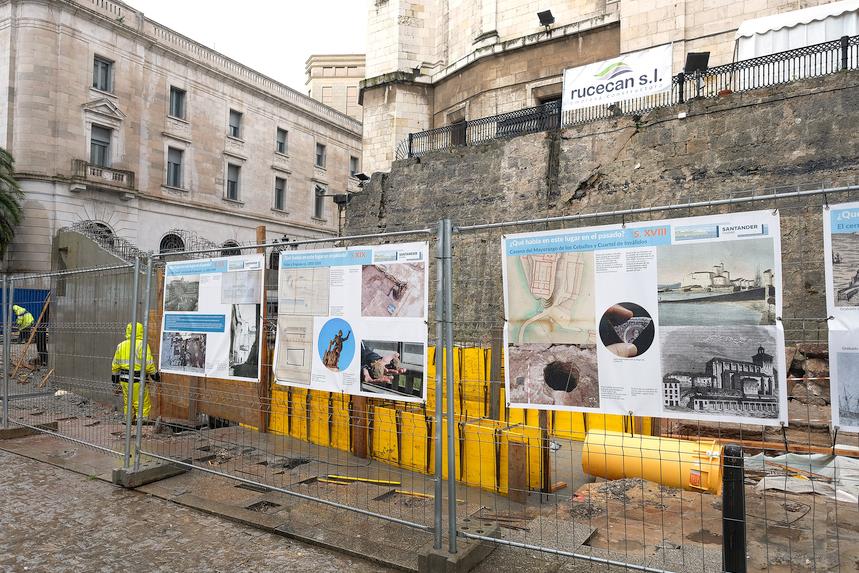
(55, 520)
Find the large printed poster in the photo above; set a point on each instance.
(841, 247)
(676, 318)
(211, 322)
(353, 320)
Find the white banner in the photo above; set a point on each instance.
(353, 320)
(211, 321)
(627, 76)
(674, 318)
(841, 249)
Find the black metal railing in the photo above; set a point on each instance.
(764, 71)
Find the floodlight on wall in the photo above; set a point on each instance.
(546, 18)
(696, 62)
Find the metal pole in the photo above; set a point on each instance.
(141, 388)
(8, 292)
(439, 383)
(451, 421)
(681, 80)
(845, 48)
(132, 356)
(733, 511)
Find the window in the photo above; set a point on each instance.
(171, 243)
(230, 249)
(353, 166)
(99, 146)
(177, 102)
(102, 74)
(281, 144)
(319, 201)
(320, 155)
(327, 95)
(233, 172)
(235, 124)
(174, 167)
(280, 193)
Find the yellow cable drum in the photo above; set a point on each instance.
(684, 464)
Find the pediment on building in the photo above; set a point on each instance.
(105, 108)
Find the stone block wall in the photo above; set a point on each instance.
(789, 137)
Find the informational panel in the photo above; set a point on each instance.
(211, 322)
(841, 248)
(633, 75)
(353, 320)
(674, 318)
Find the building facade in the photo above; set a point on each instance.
(432, 63)
(127, 126)
(333, 80)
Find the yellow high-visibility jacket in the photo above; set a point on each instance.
(23, 318)
(122, 356)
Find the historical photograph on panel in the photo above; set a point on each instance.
(241, 287)
(295, 347)
(550, 298)
(244, 340)
(396, 289)
(845, 268)
(562, 375)
(725, 371)
(182, 293)
(717, 282)
(303, 291)
(392, 368)
(848, 388)
(186, 352)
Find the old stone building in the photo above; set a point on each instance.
(432, 63)
(333, 79)
(115, 120)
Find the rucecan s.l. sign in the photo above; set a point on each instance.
(627, 76)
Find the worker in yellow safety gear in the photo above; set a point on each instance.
(122, 364)
(23, 320)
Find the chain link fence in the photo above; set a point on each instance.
(464, 465)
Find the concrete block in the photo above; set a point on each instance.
(22, 431)
(148, 473)
(470, 552)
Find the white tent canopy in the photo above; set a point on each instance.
(796, 29)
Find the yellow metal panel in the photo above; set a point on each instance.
(278, 422)
(456, 443)
(298, 414)
(481, 460)
(414, 441)
(340, 422)
(319, 433)
(385, 435)
(611, 423)
(569, 425)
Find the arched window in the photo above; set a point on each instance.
(229, 249)
(171, 243)
(102, 234)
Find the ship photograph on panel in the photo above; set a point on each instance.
(727, 282)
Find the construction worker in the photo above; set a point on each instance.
(120, 368)
(23, 320)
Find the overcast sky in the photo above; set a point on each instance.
(273, 37)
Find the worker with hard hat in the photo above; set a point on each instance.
(121, 366)
(24, 321)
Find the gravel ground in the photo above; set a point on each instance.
(55, 520)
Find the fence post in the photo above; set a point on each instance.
(141, 387)
(8, 290)
(845, 46)
(132, 359)
(451, 421)
(439, 385)
(495, 380)
(733, 511)
(411, 138)
(681, 82)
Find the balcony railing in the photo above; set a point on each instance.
(764, 71)
(103, 176)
